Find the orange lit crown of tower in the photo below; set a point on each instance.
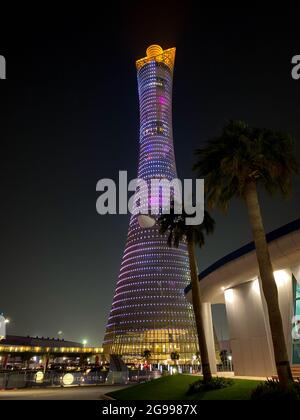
(156, 53)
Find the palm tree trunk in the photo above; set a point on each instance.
(268, 285)
(198, 313)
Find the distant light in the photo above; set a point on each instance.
(84, 342)
(7, 321)
(230, 358)
(229, 295)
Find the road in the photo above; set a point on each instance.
(68, 393)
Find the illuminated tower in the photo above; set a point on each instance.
(149, 309)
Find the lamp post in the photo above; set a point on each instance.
(6, 322)
(193, 362)
(230, 362)
(83, 360)
(3, 323)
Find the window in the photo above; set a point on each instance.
(296, 343)
(297, 290)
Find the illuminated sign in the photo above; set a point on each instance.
(68, 379)
(39, 377)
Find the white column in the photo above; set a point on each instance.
(209, 335)
(251, 351)
(284, 282)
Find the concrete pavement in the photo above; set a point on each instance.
(67, 393)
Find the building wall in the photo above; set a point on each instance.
(284, 283)
(251, 351)
(250, 336)
(249, 329)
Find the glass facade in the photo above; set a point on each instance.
(296, 343)
(149, 309)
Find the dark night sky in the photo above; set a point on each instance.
(69, 116)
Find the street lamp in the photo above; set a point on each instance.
(230, 362)
(84, 342)
(7, 321)
(193, 362)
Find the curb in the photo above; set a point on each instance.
(108, 398)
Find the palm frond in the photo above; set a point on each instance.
(241, 154)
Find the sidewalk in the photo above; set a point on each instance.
(232, 376)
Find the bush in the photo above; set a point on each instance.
(165, 373)
(273, 390)
(215, 383)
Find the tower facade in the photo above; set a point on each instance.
(149, 309)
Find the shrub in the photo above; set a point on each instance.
(165, 373)
(215, 383)
(273, 390)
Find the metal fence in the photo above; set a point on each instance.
(29, 379)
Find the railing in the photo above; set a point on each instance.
(225, 367)
(30, 379)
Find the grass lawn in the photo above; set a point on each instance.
(175, 387)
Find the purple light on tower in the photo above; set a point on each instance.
(149, 309)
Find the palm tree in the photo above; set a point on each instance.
(178, 231)
(147, 354)
(234, 165)
(175, 356)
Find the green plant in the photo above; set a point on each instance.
(237, 164)
(178, 231)
(147, 354)
(165, 373)
(175, 356)
(213, 384)
(272, 390)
